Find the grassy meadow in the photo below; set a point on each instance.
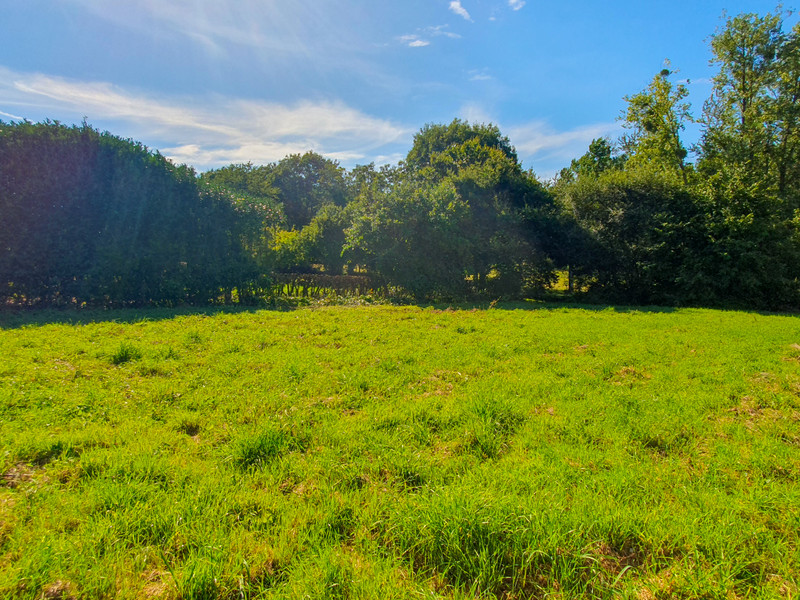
(519, 451)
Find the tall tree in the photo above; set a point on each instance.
(655, 118)
(435, 139)
(787, 114)
(740, 118)
(749, 153)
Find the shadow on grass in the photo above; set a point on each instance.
(557, 303)
(14, 318)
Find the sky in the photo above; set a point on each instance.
(214, 82)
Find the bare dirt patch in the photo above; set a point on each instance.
(17, 475)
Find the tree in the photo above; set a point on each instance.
(599, 158)
(655, 117)
(305, 184)
(245, 180)
(642, 229)
(435, 139)
(328, 238)
(484, 233)
(414, 236)
(787, 113)
(739, 118)
(749, 153)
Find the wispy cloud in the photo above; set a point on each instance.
(516, 4)
(10, 116)
(441, 30)
(418, 40)
(475, 113)
(414, 41)
(205, 132)
(276, 29)
(479, 75)
(207, 21)
(455, 6)
(549, 149)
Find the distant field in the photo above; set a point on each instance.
(401, 452)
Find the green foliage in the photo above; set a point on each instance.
(291, 250)
(91, 218)
(648, 227)
(305, 184)
(655, 117)
(739, 117)
(245, 180)
(749, 161)
(398, 234)
(599, 158)
(435, 139)
(461, 199)
(644, 230)
(326, 232)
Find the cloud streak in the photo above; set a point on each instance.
(550, 149)
(10, 116)
(455, 6)
(441, 30)
(516, 4)
(275, 30)
(414, 41)
(211, 132)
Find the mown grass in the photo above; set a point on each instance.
(396, 452)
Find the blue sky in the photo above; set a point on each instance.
(214, 82)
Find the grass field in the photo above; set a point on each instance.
(523, 451)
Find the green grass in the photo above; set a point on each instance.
(400, 452)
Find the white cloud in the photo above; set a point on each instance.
(204, 132)
(388, 159)
(274, 29)
(516, 4)
(441, 30)
(455, 6)
(10, 116)
(479, 75)
(414, 41)
(475, 113)
(550, 149)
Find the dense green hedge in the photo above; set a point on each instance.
(88, 217)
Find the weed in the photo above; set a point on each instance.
(125, 352)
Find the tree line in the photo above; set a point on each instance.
(88, 217)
